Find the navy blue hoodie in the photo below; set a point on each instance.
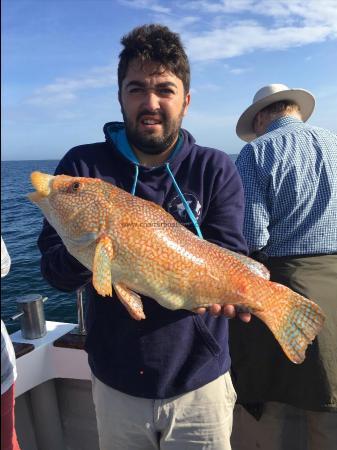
(170, 352)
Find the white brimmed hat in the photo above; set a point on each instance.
(265, 97)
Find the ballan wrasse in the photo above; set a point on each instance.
(135, 247)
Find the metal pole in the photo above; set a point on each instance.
(80, 329)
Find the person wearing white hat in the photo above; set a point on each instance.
(302, 102)
(289, 174)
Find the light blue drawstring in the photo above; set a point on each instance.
(183, 199)
(133, 190)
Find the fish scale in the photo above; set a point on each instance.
(134, 247)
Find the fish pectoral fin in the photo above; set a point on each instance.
(104, 254)
(131, 300)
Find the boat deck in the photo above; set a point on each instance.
(54, 408)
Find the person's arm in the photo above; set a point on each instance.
(58, 267)
(5, 259)
(223, 225)
(256, 218)
(224, 219)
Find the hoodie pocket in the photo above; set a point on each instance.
(206, 336)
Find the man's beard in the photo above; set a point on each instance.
(153, 144)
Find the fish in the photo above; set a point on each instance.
(134, 247)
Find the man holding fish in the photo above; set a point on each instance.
(158, 272)
(162, 382)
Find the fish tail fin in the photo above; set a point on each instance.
(294, 320)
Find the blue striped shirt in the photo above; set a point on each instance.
(290, 182)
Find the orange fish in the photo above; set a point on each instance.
(135, 247)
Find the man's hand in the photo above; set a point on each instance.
(229, 311)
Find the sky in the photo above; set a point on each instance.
(59, 65)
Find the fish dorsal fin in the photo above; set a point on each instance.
(104, 254)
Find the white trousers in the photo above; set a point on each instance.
(199, 420)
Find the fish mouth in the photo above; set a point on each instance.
(41, 182)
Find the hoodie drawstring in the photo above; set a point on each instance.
(183, 199)
(133, 190)
(181, 195)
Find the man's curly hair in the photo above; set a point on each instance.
(154, 43)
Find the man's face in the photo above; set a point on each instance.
(153, 104)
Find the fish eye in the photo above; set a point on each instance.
(75, 186)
